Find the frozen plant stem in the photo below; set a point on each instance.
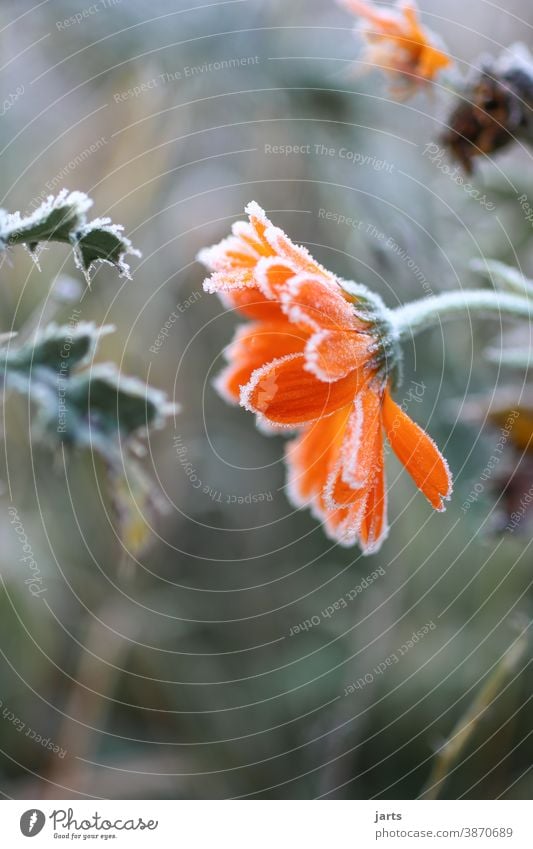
(449, 756)
(420, 315)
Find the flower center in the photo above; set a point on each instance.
(386, 358)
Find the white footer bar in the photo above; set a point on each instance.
(267, 824)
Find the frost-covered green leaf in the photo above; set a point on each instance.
(64, 219)
(503, 276)
(55, 219)
(104, 409)
(79, 405)
(95, 406)
(102, 241)
(57, 348)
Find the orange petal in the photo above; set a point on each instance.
(418, 453)
(431, 62)
(332, 354)
(252, 303)
(297, 255)
(311, 454)
(374, 527)
(358, 455)
(412, 18)
(384, 20)
(343, 525)
(228, 281)
(285, 393)
(244, 248)
(365, 440)
(267, 340)
(260, 223)
(253, 237)
(228, 255)
(272, 275)
(253, 346)
(339, 494)
(319, 304)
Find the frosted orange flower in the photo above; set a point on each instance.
(319, 357)
(398, 43)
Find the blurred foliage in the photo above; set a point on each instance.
(172, 673)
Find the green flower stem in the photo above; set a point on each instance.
(449, 755)
(417, 316)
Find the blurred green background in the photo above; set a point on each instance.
(174, 674)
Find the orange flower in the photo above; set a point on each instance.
(319, 357)
(398, 43)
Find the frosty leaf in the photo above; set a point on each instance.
(503, 276)
(506, 277)
(102, 241)
(64, 219)
(92, 408)
(115, 404)
(58, 348)
(54, 220)
(96, 407)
